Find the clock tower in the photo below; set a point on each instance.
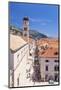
(26, 28)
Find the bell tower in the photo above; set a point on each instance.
(26, 28)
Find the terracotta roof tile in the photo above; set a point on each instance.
(50, 52)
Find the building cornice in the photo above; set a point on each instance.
(14, 51)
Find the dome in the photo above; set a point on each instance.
(26, 18)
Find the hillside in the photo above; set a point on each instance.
(33, 33)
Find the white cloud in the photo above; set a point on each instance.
(35, 20)
(41, 21)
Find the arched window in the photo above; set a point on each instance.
(46, 68)
(56, 68)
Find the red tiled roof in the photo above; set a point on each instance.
(50, 52)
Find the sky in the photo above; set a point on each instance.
(42, 17)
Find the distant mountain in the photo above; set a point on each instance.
(33, 33)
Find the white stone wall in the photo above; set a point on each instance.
(20, 61)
